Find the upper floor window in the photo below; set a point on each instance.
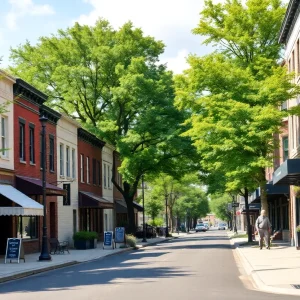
(73, 163)
(104, 174)
(4, 135)
(51, 153)
(94, 171)
(99, 173)
(81, 168)
(31, 143)
(285, 148)
(22, 140)
(87, 170)
(108, 176)
(61, 160)
(68, 161)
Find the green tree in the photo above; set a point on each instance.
(234, 93)
(112, 82)
(219, 206)
(153, 206)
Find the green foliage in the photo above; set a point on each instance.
(153, 206)
(131, 240)
(157, 222)
(85, 235)
(219, 206)
(234, 93)
(112, 82)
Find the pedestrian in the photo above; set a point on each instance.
(263, 227)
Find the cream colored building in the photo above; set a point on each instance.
(107, 167)
(67, 177)
(7, 121)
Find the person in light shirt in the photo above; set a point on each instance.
(263, 227)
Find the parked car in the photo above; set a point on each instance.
(200, 227)
(221, 227)
(206, 226)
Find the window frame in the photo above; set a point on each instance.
(31, 144)
(73, 163)
(285, 148)
(22, 155)
(81, 167)
(68, 165)
(94, 166)
(61, 160)
(87, 169)
(104, 175)
(4, 146)
(51, 153)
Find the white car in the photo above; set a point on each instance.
(200, 227)
(221, 227)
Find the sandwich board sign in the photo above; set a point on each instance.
(14, 250)
(108, 239)
(119, 235)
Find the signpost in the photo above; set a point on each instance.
(14, 250)
(108, 239)
(235, 204)
(119, 235)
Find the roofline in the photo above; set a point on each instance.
(7, 76)
(288, 23)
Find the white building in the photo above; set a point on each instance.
(67, 153)
(6, 121)
(108, 190)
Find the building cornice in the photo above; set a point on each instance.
(26, 91)
(289, 21)
(52, 115)
(8, 76)
(90, 138)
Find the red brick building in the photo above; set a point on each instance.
(91, 202)
(28, 107)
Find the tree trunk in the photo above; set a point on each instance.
(263, 198)
(171, 218)
(249, 228)
(131, 229)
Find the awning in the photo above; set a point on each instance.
(253, 208)
(273, 192)
(34, 186)
(288, 173)
(121, 206)
(91, 200)
(25, 206)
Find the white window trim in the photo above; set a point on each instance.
(68, 167)
(104, 175)
(73, 163)
(61, 160)
(81, 168)
(4, 145)
(87, 169)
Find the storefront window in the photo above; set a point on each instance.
(27, 227)
(285, 214)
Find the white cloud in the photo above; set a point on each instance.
(21, 8)
(168, 20)
(178, 63)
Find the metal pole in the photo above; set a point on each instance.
(45, 252)
(167, 231)
(144, 225)
(234, 216)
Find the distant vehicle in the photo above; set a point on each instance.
(206, 226)
(200, 227)
(222, 227)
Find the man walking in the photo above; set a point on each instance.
(263, 227)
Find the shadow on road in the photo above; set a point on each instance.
(118, 269)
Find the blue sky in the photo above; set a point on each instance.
(167, 20)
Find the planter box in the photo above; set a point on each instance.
(298, 236)
(85, 244)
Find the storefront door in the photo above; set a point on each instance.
(5, 232)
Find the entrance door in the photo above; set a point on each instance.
(5, 232)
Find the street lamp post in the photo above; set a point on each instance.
(234, 215)
(144, 225)
(45, 252)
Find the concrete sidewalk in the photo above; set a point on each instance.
(276, 270)
(10, 271)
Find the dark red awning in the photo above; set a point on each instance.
(91, 200)
(34, 186)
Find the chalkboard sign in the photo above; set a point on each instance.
(14, 250)
(120, 235)
(108, 239)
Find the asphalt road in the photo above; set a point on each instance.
(200, 266)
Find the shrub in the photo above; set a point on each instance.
(130, 240)
(298, 228)
(85, 235)
(157, 222)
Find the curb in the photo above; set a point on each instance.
(256, 280)
(75, 262)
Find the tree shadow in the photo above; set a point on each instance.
(117, 269)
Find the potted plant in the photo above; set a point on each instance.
(85, 240)
(298, 235)
(296, 191)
